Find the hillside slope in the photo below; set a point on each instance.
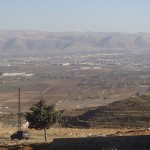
(132, 112)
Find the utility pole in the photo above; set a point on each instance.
(19, 112)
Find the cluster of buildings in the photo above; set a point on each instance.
(85, 60)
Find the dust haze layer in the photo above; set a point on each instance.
(40, 43)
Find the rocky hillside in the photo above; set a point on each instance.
(35, 42)
(132, 113)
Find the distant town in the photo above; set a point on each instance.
(135, 62)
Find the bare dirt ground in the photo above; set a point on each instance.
(37, 136)
(36, 141)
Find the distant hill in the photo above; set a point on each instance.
(133, 112)
(36, 42)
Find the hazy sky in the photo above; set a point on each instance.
(76, 15)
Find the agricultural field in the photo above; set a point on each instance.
(70, 87)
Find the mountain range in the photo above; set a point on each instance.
(15, 42)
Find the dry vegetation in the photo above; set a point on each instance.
(38, 135)
(129, 113)
(37, 139)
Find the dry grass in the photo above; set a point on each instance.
(37, 137)
(5, 132)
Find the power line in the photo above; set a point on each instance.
(19, 111)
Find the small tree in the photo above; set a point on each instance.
(42, 116)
